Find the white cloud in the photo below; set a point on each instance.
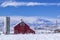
(25, 18)
(30, 19)
(14, 20)
(33, 19)
(15, 4)
(1, 19)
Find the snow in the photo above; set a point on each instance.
(40, 34)
(43, 31)
(55, 36)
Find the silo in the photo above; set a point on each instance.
(6, 25)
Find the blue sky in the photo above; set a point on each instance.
(51, 1)
(36, 10)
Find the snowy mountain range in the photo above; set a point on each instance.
(32, 21)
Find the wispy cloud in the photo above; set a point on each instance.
(15, 4)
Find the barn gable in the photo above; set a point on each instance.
(23, 28)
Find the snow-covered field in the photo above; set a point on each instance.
(32, 22)
(31, 37)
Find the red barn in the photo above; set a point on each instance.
(23, 28)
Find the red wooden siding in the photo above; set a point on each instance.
(24, 29)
